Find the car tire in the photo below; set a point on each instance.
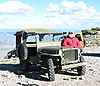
(82, 69)
(51, 71)
(22, 54)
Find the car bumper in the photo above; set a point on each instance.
(74, 65)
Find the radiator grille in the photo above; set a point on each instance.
(71, 55)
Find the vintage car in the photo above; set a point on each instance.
(43, 47)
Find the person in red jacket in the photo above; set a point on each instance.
(71, 41)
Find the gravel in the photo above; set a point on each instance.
(10, 76)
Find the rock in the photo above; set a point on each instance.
(33, 85)
(99, 81)
(4, 76)
(94, 72)
(89, 66)
(3, 82)
(80, 78)
(19, 83)
(66, 79)
(73, 77)
(19, 76)
(90, 69)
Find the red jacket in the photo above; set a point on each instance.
(71, 42)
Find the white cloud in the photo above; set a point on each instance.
(14, 7)
(78, 9)
(73, 15)
(53, 7)
(65, 15)
(74, 6)
(12, 12)
(1, 18)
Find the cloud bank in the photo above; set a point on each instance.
(64, 15)
(72, 15)
(14, 7)
(12, 12)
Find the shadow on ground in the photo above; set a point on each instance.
(91, 54)
(37, 74)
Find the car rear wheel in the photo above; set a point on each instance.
(51, 71)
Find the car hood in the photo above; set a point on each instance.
(50, 49)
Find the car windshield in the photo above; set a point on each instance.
(50, 38)
(57, 38)
(31, 39)
(42, 37)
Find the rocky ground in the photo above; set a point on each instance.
(9, 73)
(4, 50)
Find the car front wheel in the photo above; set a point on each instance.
(81, 69)
(51, 71)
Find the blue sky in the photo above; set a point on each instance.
(53, 14)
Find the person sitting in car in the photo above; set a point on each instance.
(71, 41)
